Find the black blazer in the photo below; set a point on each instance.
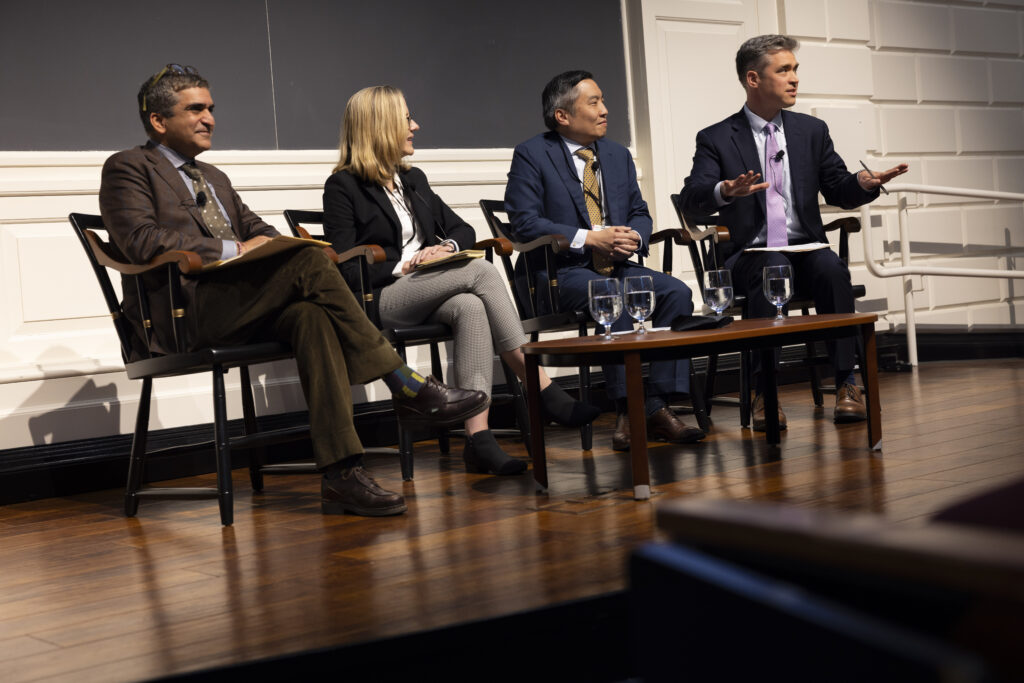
(727, 149)
(359, 212)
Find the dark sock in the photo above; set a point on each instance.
(621, 407)
(404, 381)
(653, 404)
(845, 376)
(336, 469)
(483, 454)
(564, 409)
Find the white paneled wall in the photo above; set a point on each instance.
(948, 83)
(937, 84)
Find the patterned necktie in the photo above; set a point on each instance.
(592, 196)
(777, 235)
(215, 220)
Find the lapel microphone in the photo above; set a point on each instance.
(778, 155)
(201, 199)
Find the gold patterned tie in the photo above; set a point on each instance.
(216, 222)
(592, 196)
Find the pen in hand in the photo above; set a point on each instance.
(870, 173)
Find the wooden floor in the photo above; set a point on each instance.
(88, 595)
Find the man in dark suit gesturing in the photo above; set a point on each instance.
(769, 221)
(158, 198)
(572, 182)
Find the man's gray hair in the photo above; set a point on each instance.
(754, 53)
(160, 91)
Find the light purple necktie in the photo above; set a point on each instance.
(776, 207)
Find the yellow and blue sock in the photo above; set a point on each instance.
(404, 381)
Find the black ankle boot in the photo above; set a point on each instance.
(564, 409)
(482, 454)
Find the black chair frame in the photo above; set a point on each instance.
(705, 237)
(216, 360)
(556, 320)
(431, 335)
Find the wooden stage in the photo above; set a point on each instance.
(88, 595)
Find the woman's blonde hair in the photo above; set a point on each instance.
(372, 134)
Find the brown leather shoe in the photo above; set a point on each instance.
(439, 404)
(665, 425)
(757, 408)
(849, 404)
(355, 491)
(621, 437)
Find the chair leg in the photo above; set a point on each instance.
(443, 439)
(222, 447)
(405, 453)
(700, 411)
(137, 460)
(404, 437)
(587, 430)
(745, 388)
(519, 400)
(257, 457)
(813, 370)
(709, 381)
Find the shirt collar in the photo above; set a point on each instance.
(574, 146)
(757, 124)
(176, 159)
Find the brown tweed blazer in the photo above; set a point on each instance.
(148, 210)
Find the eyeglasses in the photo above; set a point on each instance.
(172, 68)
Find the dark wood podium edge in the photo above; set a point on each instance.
(968, 558)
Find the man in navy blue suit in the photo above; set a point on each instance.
(778, 221)
(572, 182)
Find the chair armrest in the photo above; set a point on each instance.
(500, 245)
(676, 235)
(849, 224)
(187, 261)
(373, 253)
(558, 244)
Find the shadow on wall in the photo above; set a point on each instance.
(94, 406)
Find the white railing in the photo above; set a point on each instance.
(907, 269)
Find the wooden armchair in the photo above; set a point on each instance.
(310, 224)
(537, 298)
(705, 236)
(143, 363)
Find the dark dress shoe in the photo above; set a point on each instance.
(621, 437)
(355, 491)
(665, 425)
(849, 404)
(483, 455)
(439, 404)
(760, 423)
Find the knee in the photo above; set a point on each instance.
(676, 295)
(466, 309)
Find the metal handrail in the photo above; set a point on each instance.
(906, 270)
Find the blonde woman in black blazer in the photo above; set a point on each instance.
(374, 197)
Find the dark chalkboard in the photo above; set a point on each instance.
(282, 70)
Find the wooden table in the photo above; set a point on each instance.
(632, 350)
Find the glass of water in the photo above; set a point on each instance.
(778, 286)
(718, 290)
(640, 299)
(605, 303)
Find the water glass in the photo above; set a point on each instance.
(718, 292)
(778, 286)
(605, 298)
(640, 299)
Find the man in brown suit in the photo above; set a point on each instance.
(157, 198)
